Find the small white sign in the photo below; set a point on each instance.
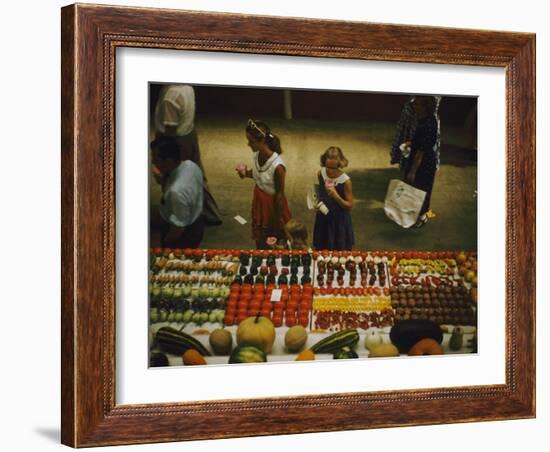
(276, 295)
(240, 219)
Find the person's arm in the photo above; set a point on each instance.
(169, 115)
(172, 237)
(417, 160)
(347, 201)
(177, 215)
(279, 176)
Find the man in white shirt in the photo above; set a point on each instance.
(181, 219)
(175, 117)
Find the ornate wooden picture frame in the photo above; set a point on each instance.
(90, 37)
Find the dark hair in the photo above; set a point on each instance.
(166, 148)
(429, 101)
(261, 131)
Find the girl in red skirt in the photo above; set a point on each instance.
(270, 210)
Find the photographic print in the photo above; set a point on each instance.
(293, 224)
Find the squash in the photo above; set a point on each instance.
(405, 333)
(177, 342)
(336, 341)
(295, 338)
(345, 353)
(306, 355)
(221, 341)
(426, 346)
(258, 331)
(158, 360)
(193, 358)
(246, 353)
(372, 338)
(383, 351)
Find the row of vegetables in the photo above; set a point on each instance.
(256, 335)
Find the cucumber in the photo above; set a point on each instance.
(337, 341)
(177, 342)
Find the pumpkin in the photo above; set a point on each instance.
(258, 331)
(193, 358)
(426, 346)
(306, 355)
(295, 338)
(405, 333)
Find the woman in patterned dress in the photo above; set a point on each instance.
(423, 161)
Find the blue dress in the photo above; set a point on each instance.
(333, 231)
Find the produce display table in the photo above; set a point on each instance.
(199, 291)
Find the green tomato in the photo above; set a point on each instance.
(163, 315)
(187, 315)
(213, 317)
(154, 315)
(178, 317)
(171, 316)
(221, 315)
(196, 318)
(204, 317)
(167, 292)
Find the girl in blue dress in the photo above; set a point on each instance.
(334, 231)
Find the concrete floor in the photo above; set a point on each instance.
(366, 146)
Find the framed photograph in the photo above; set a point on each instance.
(266, 220)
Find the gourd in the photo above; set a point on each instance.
(345, 353)
(258, 331)
(247, 354)
(336, 341)
(306, 355)
(383, 350)
(158, 360)
(177, 342)
(221, 341)
(405, 333)
(193, 358)
(372, 338)
(295, 338)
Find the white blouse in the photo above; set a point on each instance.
(339, 180)
(264, 175)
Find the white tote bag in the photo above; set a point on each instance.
(403, 203)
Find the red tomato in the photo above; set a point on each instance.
(290, 321)
(292, 304)
(229, 319)
(266, 313)
(255, 304)
(277, 321)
